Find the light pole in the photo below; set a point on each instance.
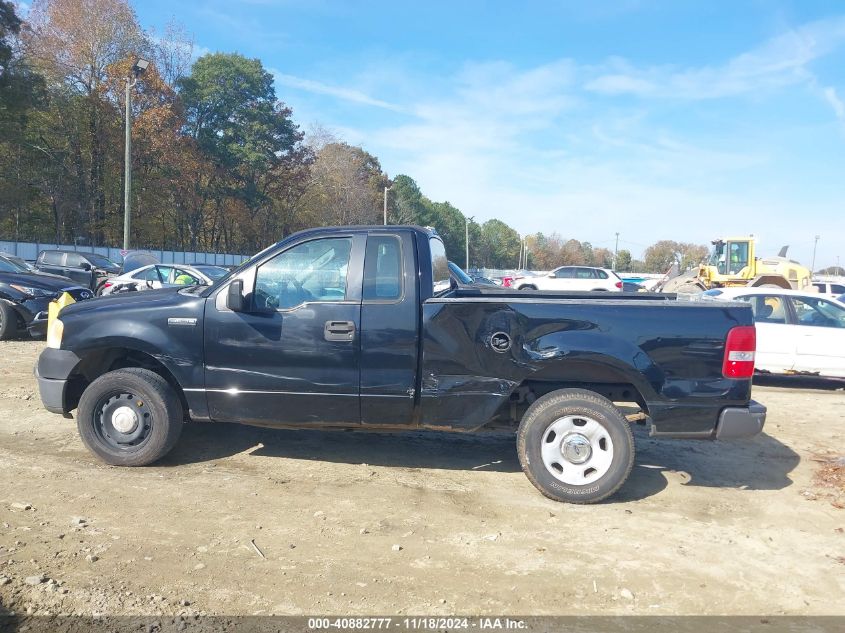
(813, 265)
(466, 237)
(386, 189)
(616, 253)
(137, 70)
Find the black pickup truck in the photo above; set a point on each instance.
(363, 328)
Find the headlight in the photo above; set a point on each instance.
(55, 329)
(33, 292)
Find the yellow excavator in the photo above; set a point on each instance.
(733, 262)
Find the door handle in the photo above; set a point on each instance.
(339, 330)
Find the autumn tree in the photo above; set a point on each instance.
(662, 255)
(73, 43)
(345, 186)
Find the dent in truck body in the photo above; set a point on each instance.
(466, 380)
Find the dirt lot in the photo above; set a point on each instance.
(700, 528)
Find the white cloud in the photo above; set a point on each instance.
(835, 102)
(346, 94)
(780, 61)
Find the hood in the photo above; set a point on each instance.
(38, 280)
(137, 259)
(126, 301)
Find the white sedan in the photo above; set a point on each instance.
(797, 332)
(155, 276)
(573, 278)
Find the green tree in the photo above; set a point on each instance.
(623, 261)
(232, 112)
(405, 202)
(499, 245)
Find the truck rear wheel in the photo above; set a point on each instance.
(575, 446)
(130, 417)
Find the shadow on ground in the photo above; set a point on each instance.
(762, 463)
(799, 382)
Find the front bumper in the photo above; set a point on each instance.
(52, 373)
(740, 422)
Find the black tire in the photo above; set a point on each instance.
(8, 321)
(158, 415)
(528, 287)
(566, 403)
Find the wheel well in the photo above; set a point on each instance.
(97, 363)
(511, 412)
(775, 280)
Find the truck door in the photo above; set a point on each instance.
(389, 330)
(294, 355)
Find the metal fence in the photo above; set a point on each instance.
(29, 251)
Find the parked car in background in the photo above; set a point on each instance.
(573, 278)
(797, 331)
(631, 286)
(85, 269)
(831, 290)
(155, 276)
(509, 281)
(212, 271)
(19, 262)
(25, 295)
(464, 278)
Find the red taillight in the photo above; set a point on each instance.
(740, 348)
(507, 281)
(619, 284)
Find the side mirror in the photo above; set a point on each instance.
(85, 266)
(235, 296)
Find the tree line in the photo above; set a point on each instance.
(218, 161)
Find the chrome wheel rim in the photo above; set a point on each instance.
(577, 450)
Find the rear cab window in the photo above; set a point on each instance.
(383, 269)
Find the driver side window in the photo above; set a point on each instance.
(311, 271)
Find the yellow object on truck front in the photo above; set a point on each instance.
(55, 328)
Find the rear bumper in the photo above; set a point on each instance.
(741, 422)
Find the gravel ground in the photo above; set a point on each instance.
(241, 520)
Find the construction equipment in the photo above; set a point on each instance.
(733, 262)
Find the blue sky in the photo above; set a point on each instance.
(675, 119)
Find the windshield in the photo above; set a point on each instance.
(100, 261)
(13, 265)
(717, 254)
(212, 272)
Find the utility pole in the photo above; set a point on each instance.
(616, 252)
(466, 238)
(813, 265)
(137, 69)
(386, 189)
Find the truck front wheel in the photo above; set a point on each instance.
(575, 446)
(130, 417)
